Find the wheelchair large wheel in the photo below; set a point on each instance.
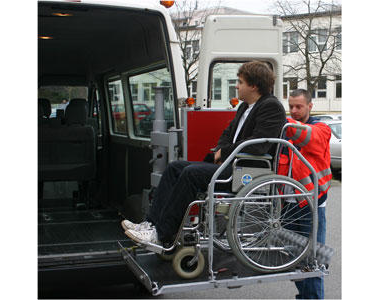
(271, 234)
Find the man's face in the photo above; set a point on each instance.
(299, 108)
(245, 91)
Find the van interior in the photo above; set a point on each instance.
(97, 67)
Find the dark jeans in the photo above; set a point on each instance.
(310, 288)
(178, 186)
(313, 288)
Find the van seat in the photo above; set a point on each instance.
(68, 152)
(80, 119)
(44, 111)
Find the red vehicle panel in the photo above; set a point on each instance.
(204, 127)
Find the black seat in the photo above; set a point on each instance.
(44, 111)
(89, 121)
(68, 152)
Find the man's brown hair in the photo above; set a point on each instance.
(258, 73)
(299, 92)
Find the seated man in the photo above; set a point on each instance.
(260, 115)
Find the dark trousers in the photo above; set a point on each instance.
(178, 187)
(310, 288)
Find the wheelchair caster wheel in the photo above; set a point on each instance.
(181, 262)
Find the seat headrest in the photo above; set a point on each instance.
(76, 112)
(46, 106)
(78, 101)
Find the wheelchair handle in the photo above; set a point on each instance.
(298, 126)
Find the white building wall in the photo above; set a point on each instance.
(329, 104)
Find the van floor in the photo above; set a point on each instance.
(64, 229)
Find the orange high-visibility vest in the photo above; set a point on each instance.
(314, 146)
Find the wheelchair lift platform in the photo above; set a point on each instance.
(158, 276)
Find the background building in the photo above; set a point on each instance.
(311, 45)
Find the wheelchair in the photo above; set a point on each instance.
(267, 221)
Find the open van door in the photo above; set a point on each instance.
(227, 42)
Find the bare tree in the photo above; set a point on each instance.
(312, 33)
(188, 20)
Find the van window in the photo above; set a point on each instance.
(142, 92)
(223, 83)
(117, 106)
(59, 95)
(96, 110)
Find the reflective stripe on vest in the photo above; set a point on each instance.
(298, 134)
(322, 188)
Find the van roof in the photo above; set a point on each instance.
(96, 37)
(125, 3)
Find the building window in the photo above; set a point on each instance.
(188, 50)
(317, 40)
(290, 42)
(232, 89)
(289, 85)
(195, 46)
(217, 89)
(338, 86)
(338, 38)
(191, 49)
(194, 89)
(134, 91)
(320, 91)
(149, 91)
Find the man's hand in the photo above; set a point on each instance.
(217, 157)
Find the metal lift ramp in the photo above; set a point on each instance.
(158, 276)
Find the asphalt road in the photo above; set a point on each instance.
(274, 290)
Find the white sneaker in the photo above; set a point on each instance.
(143, 236)
(126, 225)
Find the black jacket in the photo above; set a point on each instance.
(265, 120)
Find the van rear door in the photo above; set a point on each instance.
(228, 41)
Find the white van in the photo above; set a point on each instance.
(96, 165)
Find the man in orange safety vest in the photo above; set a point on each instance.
(313, 144)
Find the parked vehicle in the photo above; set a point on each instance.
(335, 144)
(328, 117)
(146, 124)
(141, 110)
(118, 111)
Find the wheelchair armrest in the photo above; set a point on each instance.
(254, 157)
